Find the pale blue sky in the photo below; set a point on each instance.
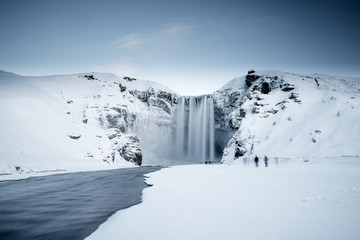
(193, 46)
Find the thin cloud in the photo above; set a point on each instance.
(129, 41)
(138, 39)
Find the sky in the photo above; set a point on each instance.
(193, 47)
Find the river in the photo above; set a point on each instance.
(67, 206)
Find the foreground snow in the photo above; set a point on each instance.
(319, 199)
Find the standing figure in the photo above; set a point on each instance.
(256, 161)
(266, 161)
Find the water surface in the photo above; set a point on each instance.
(67, 206)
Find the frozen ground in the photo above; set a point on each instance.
(319, 199)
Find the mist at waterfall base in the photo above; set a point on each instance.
(195, 130)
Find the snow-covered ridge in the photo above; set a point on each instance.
(349, 83)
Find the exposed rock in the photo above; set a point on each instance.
(167, 96)
(131, 151)
(234, 123)
(113, 135)
(273, 111)
(234, 99)
(255, 110)
(161, 104)
(317, 82)
(90, 77)
(250, 78)
(74, 136)
(282, 104)
(287, 87)
(242, 113)
(118, 118)
(129, 79)
(240, 150)
(122, 88)
(265, 88)
(294, 96)
(258, 104)
(249, 96)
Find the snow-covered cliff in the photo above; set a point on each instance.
(98, 121)
(82, 121)
(288, 115)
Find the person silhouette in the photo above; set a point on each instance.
(266, 161)
(256, 161)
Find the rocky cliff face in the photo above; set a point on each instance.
(91, 120)
(83, 121)
(287, 115)
(144, 111)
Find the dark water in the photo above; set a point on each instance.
(67, 206)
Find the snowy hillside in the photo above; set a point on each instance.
(98, 120)
(81, 122)
(289, 115)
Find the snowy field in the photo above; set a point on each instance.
(319, 199)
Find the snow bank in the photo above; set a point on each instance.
(319, 199)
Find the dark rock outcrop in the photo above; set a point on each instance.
(76, 137)
(295, 96)
(90, 77)
(129, 79)
(122, 88)
(242, 113)
(240, 150)
(286, 87)
(250, 78)
(131, 151)
(265, 88)
(317, 82)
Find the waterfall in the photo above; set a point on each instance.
(195, 140)
(212, 129)
(191, 137)
(180, 133)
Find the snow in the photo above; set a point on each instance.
(318, 199)
(323, 123)
(311, 189)
(39, 114)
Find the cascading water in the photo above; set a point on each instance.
(195, 140)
